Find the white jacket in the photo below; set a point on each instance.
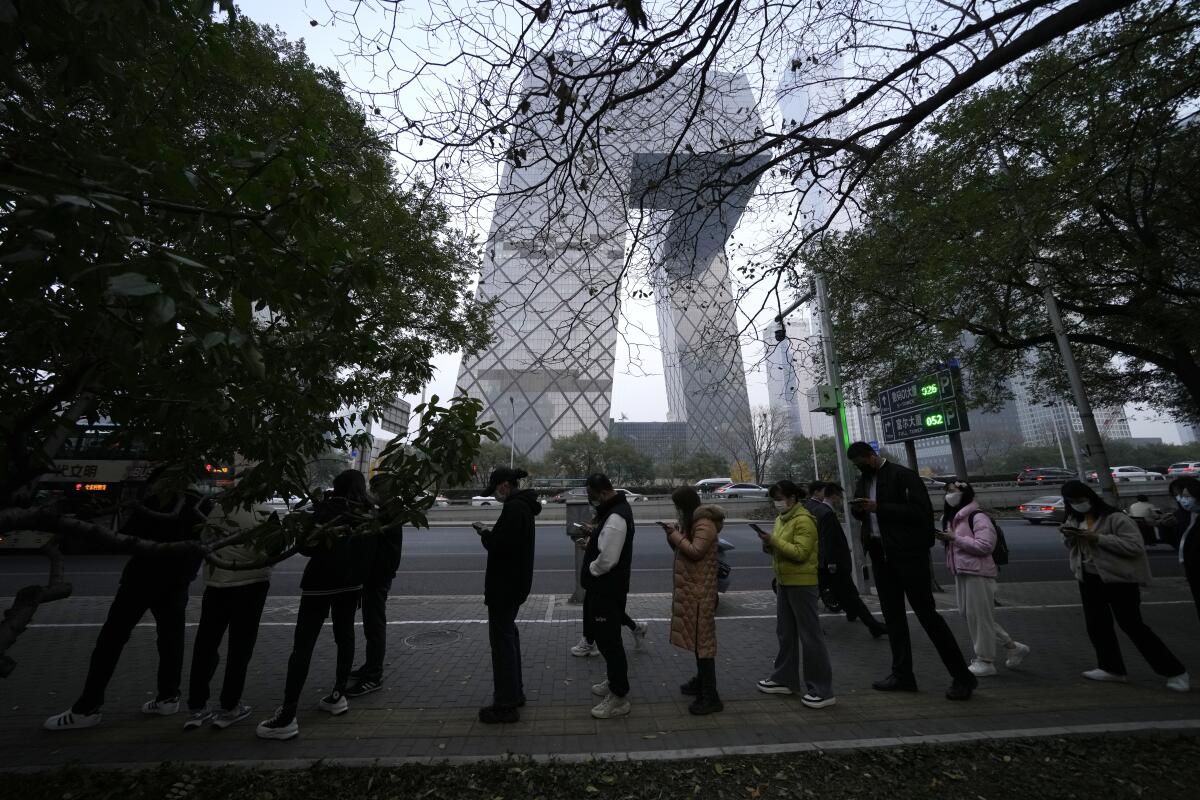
(221, 578)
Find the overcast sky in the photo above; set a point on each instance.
(638, 391)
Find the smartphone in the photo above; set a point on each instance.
(478, 526)
(577, 525)
(859, 500)
(759, 530)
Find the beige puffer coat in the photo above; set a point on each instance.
(694, 600)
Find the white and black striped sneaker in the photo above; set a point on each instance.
(163, 708)
(69, 720)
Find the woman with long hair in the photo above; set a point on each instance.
(693, 536)
(970, 537)
(1110, 563)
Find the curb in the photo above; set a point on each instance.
(1153, 726)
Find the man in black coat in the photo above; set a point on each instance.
(834, 563)
(376, 588)
(897, 529)
(506, 586)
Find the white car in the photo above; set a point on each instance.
(709, 485)
(1127, 474)
(1184, 468)
(735, 490)
(485, 500)
(633, 497)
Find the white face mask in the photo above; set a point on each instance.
(781, 506)
(1083, 507)
(952, 498)
(1186, 502)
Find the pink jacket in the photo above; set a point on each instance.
(971, 551)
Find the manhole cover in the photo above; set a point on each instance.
(427, 640)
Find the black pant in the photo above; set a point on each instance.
(508, 688)
(912, 578)
(374, 620)
(1192, 570)
(309, 621)
(626, 621)
(841, 586)
(238, 608)
(1104, 601)
(167, 603)
(603, 618)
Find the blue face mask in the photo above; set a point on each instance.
(1186, 503)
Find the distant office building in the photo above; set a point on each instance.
(1041, 423)
(1188, 434)
(658, 441)
(792, 374)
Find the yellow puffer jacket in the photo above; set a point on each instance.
(793, 546)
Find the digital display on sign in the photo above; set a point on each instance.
(91, 487)
(928, 406)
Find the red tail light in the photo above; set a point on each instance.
(1047, 508)
(1020, 508)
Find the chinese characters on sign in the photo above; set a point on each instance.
(928, 406)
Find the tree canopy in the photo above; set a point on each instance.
(1089, 187)
(203, 240)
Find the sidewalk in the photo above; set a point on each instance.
(438, 676)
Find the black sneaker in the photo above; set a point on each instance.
(894, 683)
(358, 673)
(363, 687)
(962, 688)
(281, 726)
(499, 715)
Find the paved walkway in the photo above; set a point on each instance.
(438, 675)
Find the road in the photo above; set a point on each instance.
(450, 561)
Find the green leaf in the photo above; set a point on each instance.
(132, 284)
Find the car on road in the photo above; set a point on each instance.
(735, 490)
(1130, 474)
(1048, 508)
(1042, 476)
(933, 484)
(1183, 469)
(632, 496)
(710, 485)
(440, 501)
(576, 495)
(485, 500)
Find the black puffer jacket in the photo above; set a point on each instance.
(509, 543)
(343, 565)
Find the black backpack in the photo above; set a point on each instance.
(1000, 551)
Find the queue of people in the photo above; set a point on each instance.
(807, 545)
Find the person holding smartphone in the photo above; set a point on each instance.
(693, 536)
(1109, 561)
(506, 586)
(893, 506)
(794, 552)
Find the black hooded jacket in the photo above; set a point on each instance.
(342, 565)
(509, 543)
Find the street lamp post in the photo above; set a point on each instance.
(512, 432)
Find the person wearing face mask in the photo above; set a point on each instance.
(893, 506)
(793, 545)
(693, 537)
(835, 563)
(970, 539)
(1110, 563)
(1185, 524)
(607, 565)
(506, 585)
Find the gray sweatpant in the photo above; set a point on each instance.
(976, 601)
(798, 625)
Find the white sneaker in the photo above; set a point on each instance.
(639, 635)
(1180, 683)
(600, 689)
(1098, 674)
(815, 701)
(335, 703)
(768, 686)
(69, 720)
(585, 648)
(163, 708)
(612, 706)
(196, 719)
(228, 716)
(1016, 654)
(982, 669)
